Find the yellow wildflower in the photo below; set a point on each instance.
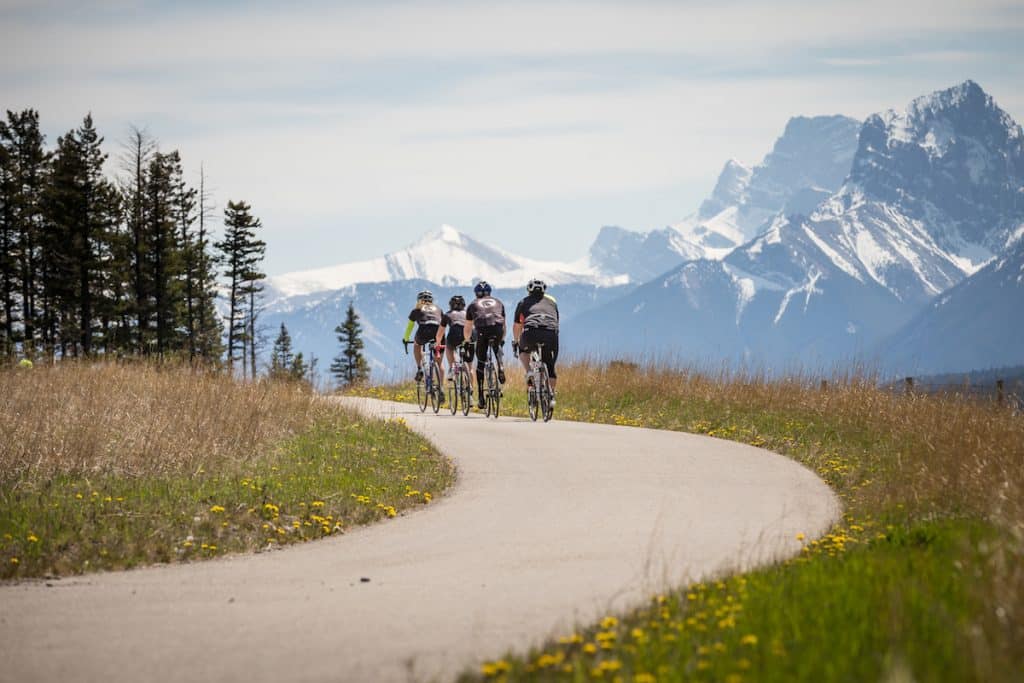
(749, 639)
(609, 622)
(32, 538)
(216, 508)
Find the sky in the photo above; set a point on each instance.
(352, 128)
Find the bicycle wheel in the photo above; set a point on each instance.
(466, 390)
(421, 396)
(532, 401)
(453, 391)
(496, 397)
(437, 393)
(545, 395)
(489, 391)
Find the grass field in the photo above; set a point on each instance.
(107, 467)
(923, 579)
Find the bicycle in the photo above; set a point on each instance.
(430, 386)
(492, 391)
(539, 393)
(460, 385)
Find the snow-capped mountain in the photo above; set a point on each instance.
(977, 324)
(807, 164)
(829, 285)
(446, 257)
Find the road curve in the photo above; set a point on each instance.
(549, 525)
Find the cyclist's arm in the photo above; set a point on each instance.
(440, 333)
(517, 331)
(467, 330)
(408, 331)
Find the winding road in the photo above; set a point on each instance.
(549, 525)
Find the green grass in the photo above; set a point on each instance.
(337, 472)
(922, 579)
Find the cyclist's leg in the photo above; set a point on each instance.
(551, 357)
(417, 354)
(481, 360)
(496, 342)
(450, 355)
(525, 346)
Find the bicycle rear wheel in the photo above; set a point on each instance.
(421, 396)
(437, 393)
(545, 395)
(488, 378)
(532, 401)
(453, 391)
(466, 390)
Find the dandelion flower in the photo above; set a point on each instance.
(749, 639)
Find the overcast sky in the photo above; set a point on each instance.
(352, 128)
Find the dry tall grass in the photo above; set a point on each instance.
(136, 420)
(941, 454)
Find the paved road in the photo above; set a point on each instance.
(549, 525)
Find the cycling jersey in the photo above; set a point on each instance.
(486, 312)
(538, 312)
(455, 322)
(428, 317)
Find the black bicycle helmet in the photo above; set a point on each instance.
(483, 288)
(457, 303)
(425, 295)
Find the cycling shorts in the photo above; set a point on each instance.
(532, 336)
(426, 333)
(485, 336)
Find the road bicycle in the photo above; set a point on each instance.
(429, 387)
(538, 387)
(460, 384)
(492, 387)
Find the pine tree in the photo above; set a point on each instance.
(139, 151)
(82, 211)
(350, 366)
(25, 163)
(281, 357)
(8, 252)
(298, 369)
(242, 254)
(209, 331)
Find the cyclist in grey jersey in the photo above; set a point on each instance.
(426, 317)
(486, 315)
(535, 323)
(454, 322)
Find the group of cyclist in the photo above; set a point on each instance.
(474, 329)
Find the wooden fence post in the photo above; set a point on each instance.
(1000, 394)
(824, 385)
(909, 381)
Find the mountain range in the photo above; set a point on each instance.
(850, 241)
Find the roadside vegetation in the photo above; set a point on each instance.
(922, 579)
(106, 466)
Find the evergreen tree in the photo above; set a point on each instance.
(22, 181)
(281, 357)
(209, 331)
(350, 366)
(82, 211)
(241, 256)
(139, 151)
(298, 369)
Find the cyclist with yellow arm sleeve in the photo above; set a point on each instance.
(426, 317)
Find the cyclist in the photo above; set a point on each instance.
(536, 322)
(428, 318)
(486, 316)
(454, 321)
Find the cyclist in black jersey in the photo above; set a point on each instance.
(536, 322)
(454, 322)
(427, 317)
(486, 316)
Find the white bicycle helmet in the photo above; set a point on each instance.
(536, 285)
